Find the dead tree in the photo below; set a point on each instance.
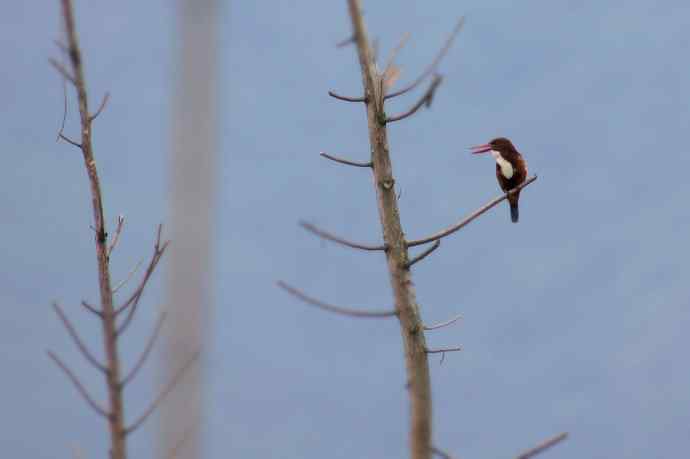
(114, 316)
(395, 246)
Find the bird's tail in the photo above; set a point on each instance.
(514, 212)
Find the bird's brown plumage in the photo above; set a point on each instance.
(509, 153)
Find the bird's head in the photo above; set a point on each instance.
(499, 144)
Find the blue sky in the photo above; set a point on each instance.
(575, 319)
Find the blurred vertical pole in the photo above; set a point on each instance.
(193, 171)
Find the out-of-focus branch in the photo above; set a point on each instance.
(434, 64)
(346, 161)
(440, 453)
(543, 446)
(78, 385)
(426, 99)
(75, 337)
(451, 229)
(328, 236)
(337, 309)
(147, 350)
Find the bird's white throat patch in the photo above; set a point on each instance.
(507, 169)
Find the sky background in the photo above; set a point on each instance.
(574, 320)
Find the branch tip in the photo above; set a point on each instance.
(546, 444)
(443, 324)
(346, 98)
(346, 161)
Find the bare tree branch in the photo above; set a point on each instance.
(346, 98)
(164, 393)
(68, 140)
(451, 229)
(104, 101)
(424, 254)
(62, 71)
(345, 161)
(337, 309)
(540, 448)
(128, 277)
(443, 324)
(440, 453)
(426, 99)
(118, 231)
(77, 340)
(347, 41)
(92, 309)
(78, 385)
(395, 51)
(444, 350)
(325, 235)
(147, 350)
(434, 64)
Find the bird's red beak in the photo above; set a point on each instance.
(477, 149)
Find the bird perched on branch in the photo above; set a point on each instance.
(511, 169)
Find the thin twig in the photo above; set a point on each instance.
(64, 110)
(129, 276)
(68, 140)
(443, 324)
(106, 97)
(395, 52)
(424, 254)
(337, 309)
(325, 235)
(92, 309)
(77, 340)
(78, 385)
(169, 387)
(147, 350)
(347, 41)
(347, 98)
(62, 71)
(444, 350)
(543, 446)
(118, 231)
(451, 229)
(434, 64)
(345, 161)
(440, 453)
(426, 99)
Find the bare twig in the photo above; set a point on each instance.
(147, 350)
(434, 64)
(346, 98)
(62, 71)
(75, 337)
(133, 301)
(540, 448)
(104, 101)
(64, 110)
(128, 276)
(347, 41)
(337, 309)
(345, 161)
(78, 385)
(68, 140)
(444, 350)
(426, 99)
(451, 229)
(164, 393)
(440, 453)
(118, 231)
(443, 324)
(92, 309)
(325, 235)
(424, 254)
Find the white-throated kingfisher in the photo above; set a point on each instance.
(511, 169)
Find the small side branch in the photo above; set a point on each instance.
(543, 446)
(343, 43)
(336, 309)
(443, 324)
(104, 102)
(443, 350)
(434, 64)
(345, 161)
(346, 98)
(424, 254)
(91, 309)
(63, 71)
(78, 385)
(328, 236)
(426, 99)
(118, 231)
(147, 350)
(450, 230)
(440, 453)
(75, 337)
(164, 393)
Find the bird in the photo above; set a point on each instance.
(511, 169)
